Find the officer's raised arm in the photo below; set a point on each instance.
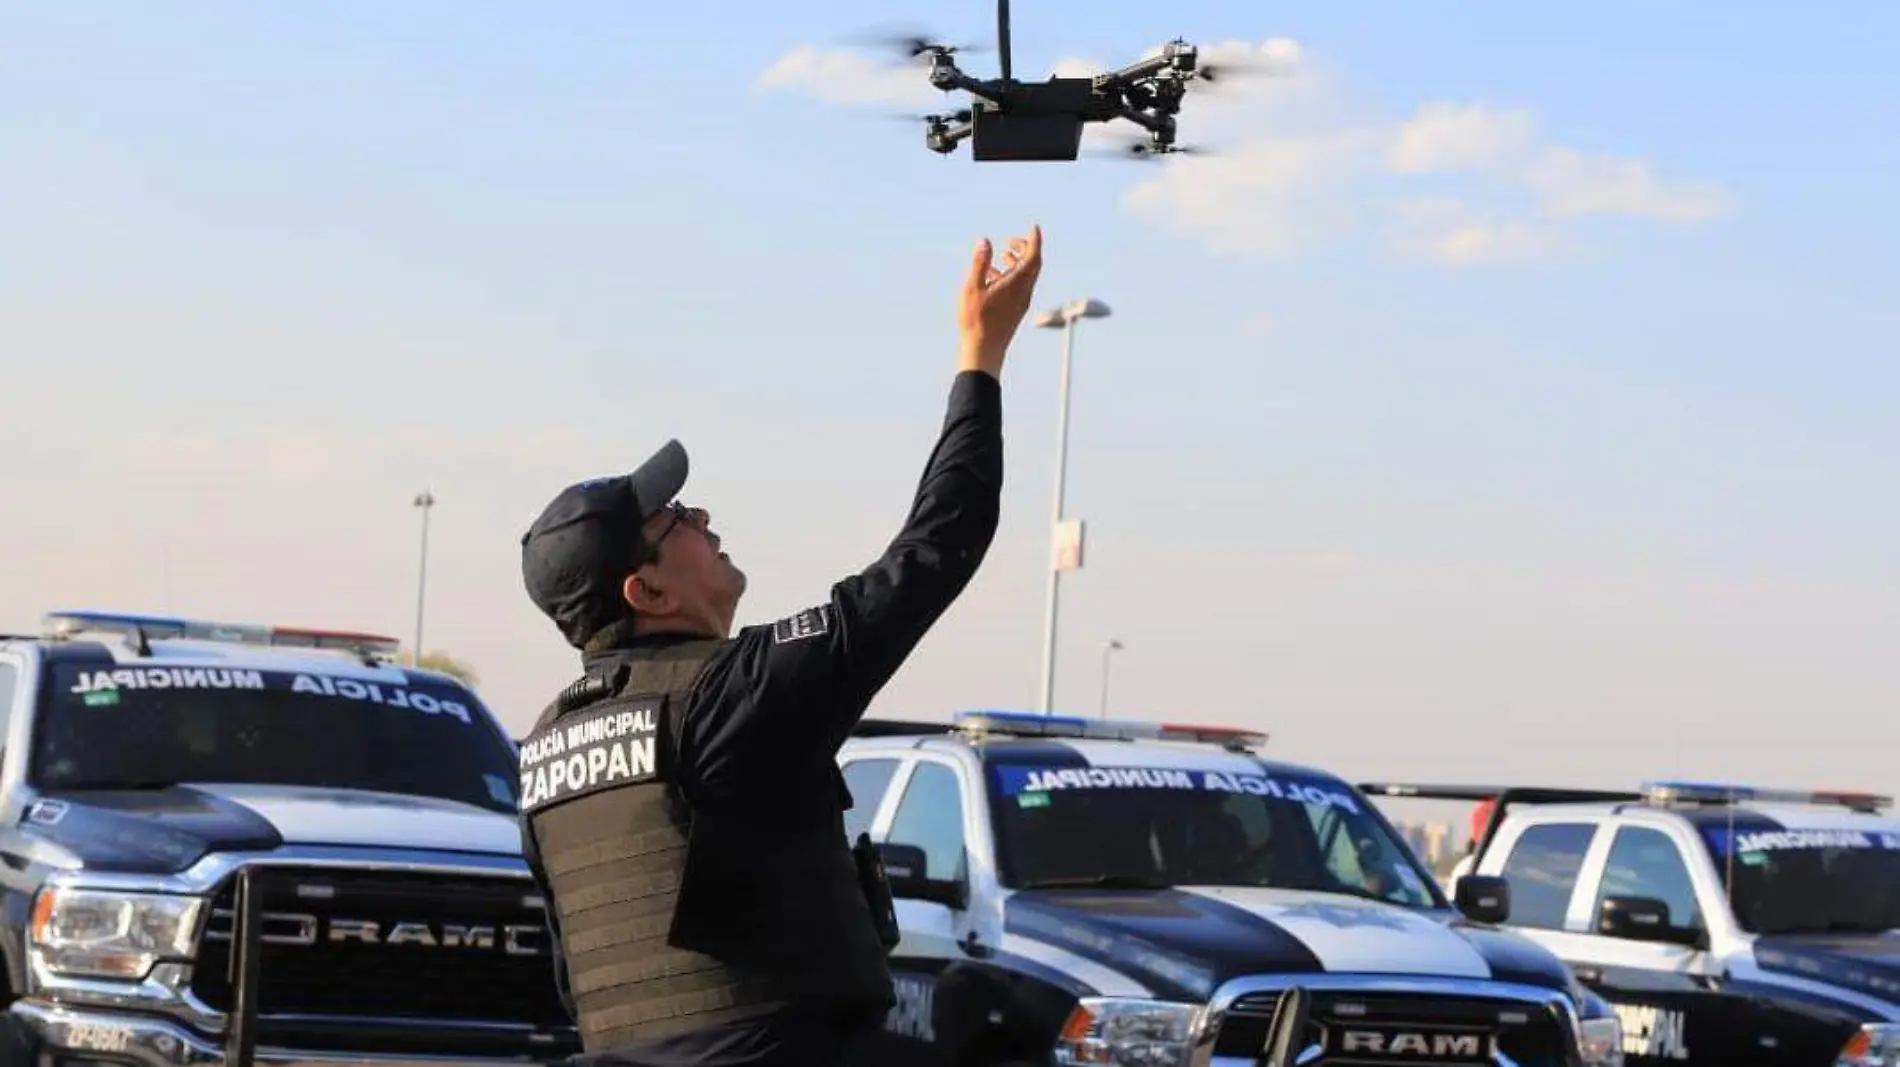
(827, 662)
(684, 761)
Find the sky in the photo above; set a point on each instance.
(1506, 398)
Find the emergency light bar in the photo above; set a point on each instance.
(62, 624)
(1036, 724)
(1719, 793)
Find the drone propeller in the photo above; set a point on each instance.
(1227, 72)
(910, 47)
(1147, 151)
(940, 119)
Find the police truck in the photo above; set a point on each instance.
(235, 844)
(1726, 924)
(1073, 891)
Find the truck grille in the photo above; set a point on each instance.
(387, 945)
(1355, 1029)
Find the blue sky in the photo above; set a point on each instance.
(1513, 370)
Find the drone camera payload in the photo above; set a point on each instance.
(1044, 125)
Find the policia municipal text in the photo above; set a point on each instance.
(681, 803)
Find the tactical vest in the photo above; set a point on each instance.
(670, 919)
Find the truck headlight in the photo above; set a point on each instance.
(1877, 1045)
(1125, 1032)
(93, 933)
(1602, 1041)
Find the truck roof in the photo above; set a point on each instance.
(1032, 737)
(125, 639)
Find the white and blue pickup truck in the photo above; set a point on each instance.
(1074, 891)
(226, 845)
(1725, 923)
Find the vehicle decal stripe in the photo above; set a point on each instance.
(1065, 969)
(1178, 944)
(1777, 987)
(1348, 934)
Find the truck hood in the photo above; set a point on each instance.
(163, 831)
(1864, 963)
(1185, 941)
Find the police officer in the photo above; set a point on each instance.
(681, 802)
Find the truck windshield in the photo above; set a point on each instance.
(1786, 881)
(1173, 825)
(147, 726)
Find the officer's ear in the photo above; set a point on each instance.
(644, 597)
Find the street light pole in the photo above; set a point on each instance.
(424, 500)
(1063, 318)
(1108, 649)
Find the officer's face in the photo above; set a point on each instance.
(693, 580)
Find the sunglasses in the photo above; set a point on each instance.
(681, 514)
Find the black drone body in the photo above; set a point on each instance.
(1043, 121)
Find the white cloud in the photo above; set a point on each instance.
(1456, 233)
(1570, 184)
(843, 77)
(1514, 194)
(1078, 68)
(1444, 137)
(1298, 161)
(1267, 195)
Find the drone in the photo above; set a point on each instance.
(1009, 120)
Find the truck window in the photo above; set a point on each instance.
(1542, 870)
(931, 817)
(98, 728)
(867, 779)
(1190, 826)
(1786, 880)
(1646, 863)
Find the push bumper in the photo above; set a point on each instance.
(141, 1041)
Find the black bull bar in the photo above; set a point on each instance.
(246, 965)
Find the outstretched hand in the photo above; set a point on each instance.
(995, 299)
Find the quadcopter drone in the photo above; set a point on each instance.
(1043, 121)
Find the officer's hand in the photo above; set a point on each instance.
(994, 300)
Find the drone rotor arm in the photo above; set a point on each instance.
(1155, 124)
(1139, 72)
(943, 138)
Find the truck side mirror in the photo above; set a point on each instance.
(1484, 898)
(1644, 919)
(906, 868)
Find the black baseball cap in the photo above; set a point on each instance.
(578, 553)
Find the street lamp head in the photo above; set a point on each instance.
(1114, 646)
(1056, 318)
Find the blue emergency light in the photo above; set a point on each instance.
(1669, 792)
(64, 624)
(67, 623)
(1036, 724)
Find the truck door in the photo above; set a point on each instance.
(1666, 985)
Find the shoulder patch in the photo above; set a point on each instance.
(614, 744)
(812, 622)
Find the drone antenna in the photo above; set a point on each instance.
(1002, 36)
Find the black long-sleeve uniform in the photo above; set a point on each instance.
(798, 685)
(770, 710)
